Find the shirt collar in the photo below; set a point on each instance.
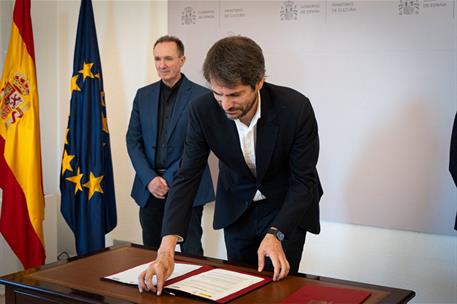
(175, 87)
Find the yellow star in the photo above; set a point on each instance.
(102, 97)
(86, 70)
(94, 184)
(76, 179)
(97, 75)
(66, 136)
(105, 124)
(66, 162)
(74, 86)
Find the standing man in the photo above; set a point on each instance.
(155, 141)
(266, 139)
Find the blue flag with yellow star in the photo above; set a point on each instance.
(88, 202)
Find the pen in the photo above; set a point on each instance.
(168, 292)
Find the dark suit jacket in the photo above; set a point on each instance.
(142, 138)
(287, 148)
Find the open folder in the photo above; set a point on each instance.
(215, 284)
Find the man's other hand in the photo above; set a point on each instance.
(271, 247)
(158, 187)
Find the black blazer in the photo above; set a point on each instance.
(287, 148)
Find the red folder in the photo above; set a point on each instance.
(204, 268)
(313, 292)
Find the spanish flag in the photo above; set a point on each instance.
(21, 221)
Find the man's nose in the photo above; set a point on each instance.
(162, 64)
(226, 103)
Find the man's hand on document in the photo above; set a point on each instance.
(162, 267)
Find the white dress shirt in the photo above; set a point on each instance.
(247, 135)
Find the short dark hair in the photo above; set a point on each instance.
(234, 60)
(168, 38)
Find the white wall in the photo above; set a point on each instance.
(382, 85)
(126, 31)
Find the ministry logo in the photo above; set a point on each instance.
(289, 11)
(188, 15)
(408, 7)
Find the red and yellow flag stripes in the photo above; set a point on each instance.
(21, 221)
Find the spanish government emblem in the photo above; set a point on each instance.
(13, 99)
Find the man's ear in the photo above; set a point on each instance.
(259, 84)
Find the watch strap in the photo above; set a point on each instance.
(277, 233)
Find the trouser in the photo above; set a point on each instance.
(151, 217)
(243, 237)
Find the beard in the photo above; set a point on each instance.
(238, 112)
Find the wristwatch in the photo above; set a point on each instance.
(277, 233)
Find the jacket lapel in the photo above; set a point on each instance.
(229, 143)
(182, 99)
(150, 111)
(267, 133)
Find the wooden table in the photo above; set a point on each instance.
(77, 280)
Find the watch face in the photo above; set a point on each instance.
(280, 235)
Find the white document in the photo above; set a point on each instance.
(215, 284)
(130, 276)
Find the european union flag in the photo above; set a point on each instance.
(86, 181)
